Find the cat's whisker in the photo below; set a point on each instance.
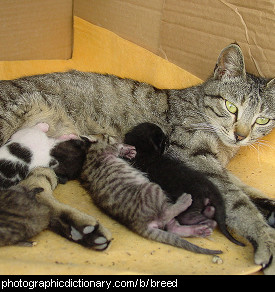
(257, 149)
(264, 143)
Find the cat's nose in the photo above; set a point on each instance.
(241, 131)
(239, 137)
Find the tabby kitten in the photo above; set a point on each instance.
(206, 125)
(22, 216)
(175, 178)
(26, 209)
(133, 200)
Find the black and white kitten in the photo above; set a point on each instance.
(30, 147)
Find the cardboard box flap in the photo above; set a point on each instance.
(137, 21)
(40, 29)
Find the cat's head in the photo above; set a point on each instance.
(240, 107)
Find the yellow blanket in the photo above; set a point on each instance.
(98, 50)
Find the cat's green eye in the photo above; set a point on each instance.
(231, 107)
(262, 121)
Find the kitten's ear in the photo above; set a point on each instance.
(89, 139)
(271, 83)
(230, 63)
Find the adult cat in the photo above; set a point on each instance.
(206, 125)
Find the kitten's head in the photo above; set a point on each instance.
(148, 139)
(240, 107)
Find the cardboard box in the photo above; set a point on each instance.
(191, 33)
(188, 33)
(40, 29)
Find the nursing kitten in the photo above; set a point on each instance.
(133, 200)
(22, 216)
(26, 209)
(26, 149)
(206, 125)
(70, 156)
(31, 147)
(175, 178)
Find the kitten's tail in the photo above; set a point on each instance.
(175, 240)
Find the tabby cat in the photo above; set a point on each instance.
(27, 208)
(135, 201)
(206, 125)
(175, 179)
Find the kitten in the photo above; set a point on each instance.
(175, 178)
(28, 208)
(132, 199)
(70, 156)
(22, 216)
(31, 147)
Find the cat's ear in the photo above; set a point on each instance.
(271, 83)
(230, 63)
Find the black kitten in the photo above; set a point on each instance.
(70, 156)
(175, 178)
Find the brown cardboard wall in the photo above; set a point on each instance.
(40, 29)
(135, 20)
(191, 33)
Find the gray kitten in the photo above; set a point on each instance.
(26, 210)
(133, 200)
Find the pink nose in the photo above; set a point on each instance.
(239, 137)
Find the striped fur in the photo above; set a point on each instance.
(202, 131)
(132, 199)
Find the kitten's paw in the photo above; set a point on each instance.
(188, 230)
(44, 127)
(91, 236)
(209, 212)
(202, 230)
(185, 200)
(127, 151)
(68, 137)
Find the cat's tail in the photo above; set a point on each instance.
(219, 217)
(175, 240)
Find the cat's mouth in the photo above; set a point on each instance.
(235, 139)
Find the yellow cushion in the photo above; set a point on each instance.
(99, 50)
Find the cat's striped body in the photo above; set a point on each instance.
(206, 125)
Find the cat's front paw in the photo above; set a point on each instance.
(127, 151)
(265, 252)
